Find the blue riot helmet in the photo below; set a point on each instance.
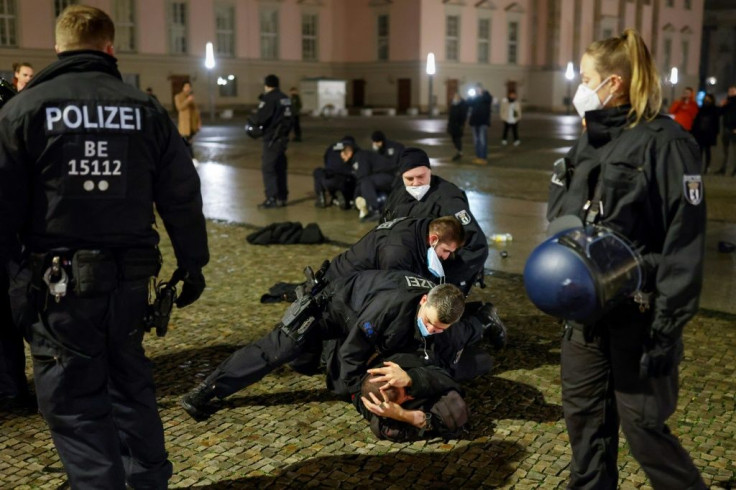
(580, 273)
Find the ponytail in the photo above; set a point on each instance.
(628, 57)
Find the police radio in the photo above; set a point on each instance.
(7, 91)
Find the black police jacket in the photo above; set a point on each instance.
(652, 193)
(333, 161)
(83, 159)
(400, 244)
(376, 312)
(274, 115)
(445, 199)
(391, 151)
(365, 163)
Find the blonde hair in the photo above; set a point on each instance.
(628, 57)
(84, 27)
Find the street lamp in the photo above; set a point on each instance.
(569, 74)
(673, 82)
(711, 82)
(430, 72)
(209, 63)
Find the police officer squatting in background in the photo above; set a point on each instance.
(273, 122)
(83, 159)
(629, 280)
(335, 183)
(373, 175)
(367, 312)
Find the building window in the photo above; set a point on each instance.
(225, 30)
(513, 42)
(270, 34)
(309, 37)
(452, 37)
(607, 33)
(178, 27)
(7, 23)
(124, 15)
(484, 40)
(228, 86)
(688, 5)
(685, 56)
(382, 37)
(131, 79)
(60, 5)
(670, 3)
(667, 48)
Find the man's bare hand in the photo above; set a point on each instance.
(390, 375)
(382, 408)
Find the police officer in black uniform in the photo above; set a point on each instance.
(388, 149)
(84, 157)
(388, 311)
(335, 181)
(274, 118)
(373, 175)
(637, 173)
(419, 194)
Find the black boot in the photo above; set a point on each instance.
(195, 402)
(493, 328)
(321, 201)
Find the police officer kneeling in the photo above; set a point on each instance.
(83, 159)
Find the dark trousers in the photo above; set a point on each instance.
(13, 381)
(95, 388)
(273, 167)
(705, 152)
(457, 142)
(728, 139)
(327, 181)
(297, 128)
(601, 389)
(514, 129)
(371, 186)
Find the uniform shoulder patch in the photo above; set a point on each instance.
(367, 329)
(390, 151)
(693, 188)
(464, 217)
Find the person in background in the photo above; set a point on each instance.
(728, 137)
(388, 149)
(622, 370)
(456, 116)
(190, 121)
(684, 109)
(510, 115)
(480, 121)
(705, 128)
(22, 74)
(296, 109)
(149, 92)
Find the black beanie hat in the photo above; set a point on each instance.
(412, 158)
(272, 81)
(378, 136)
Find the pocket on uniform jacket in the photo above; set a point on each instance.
(622, 175)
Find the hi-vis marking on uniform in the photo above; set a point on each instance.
(693, 187)
(93, 116)
(419, 282)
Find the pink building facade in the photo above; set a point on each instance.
(379, 47)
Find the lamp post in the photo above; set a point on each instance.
(209, 63)
(673, 82)
(569, 75)
(430, 72)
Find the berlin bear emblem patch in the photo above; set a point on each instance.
(464, 217)
(693, 187)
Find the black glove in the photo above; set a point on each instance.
(192, 289)
(660, 358)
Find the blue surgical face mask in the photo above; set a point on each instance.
(422, 327)
(434, 264)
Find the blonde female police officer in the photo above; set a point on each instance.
(623, 369)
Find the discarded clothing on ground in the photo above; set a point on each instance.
(287, 233)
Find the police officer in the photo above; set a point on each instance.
(390, 150)
(84, 157)
(637, 173)
(275, 118)
(388, 311)
(14, 391)
(335, 180)
(421, 194)
(373, 178)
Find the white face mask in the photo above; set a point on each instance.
(434, 264)
(586, 99)
(417, 191)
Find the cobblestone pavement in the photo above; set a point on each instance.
(287, 431)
